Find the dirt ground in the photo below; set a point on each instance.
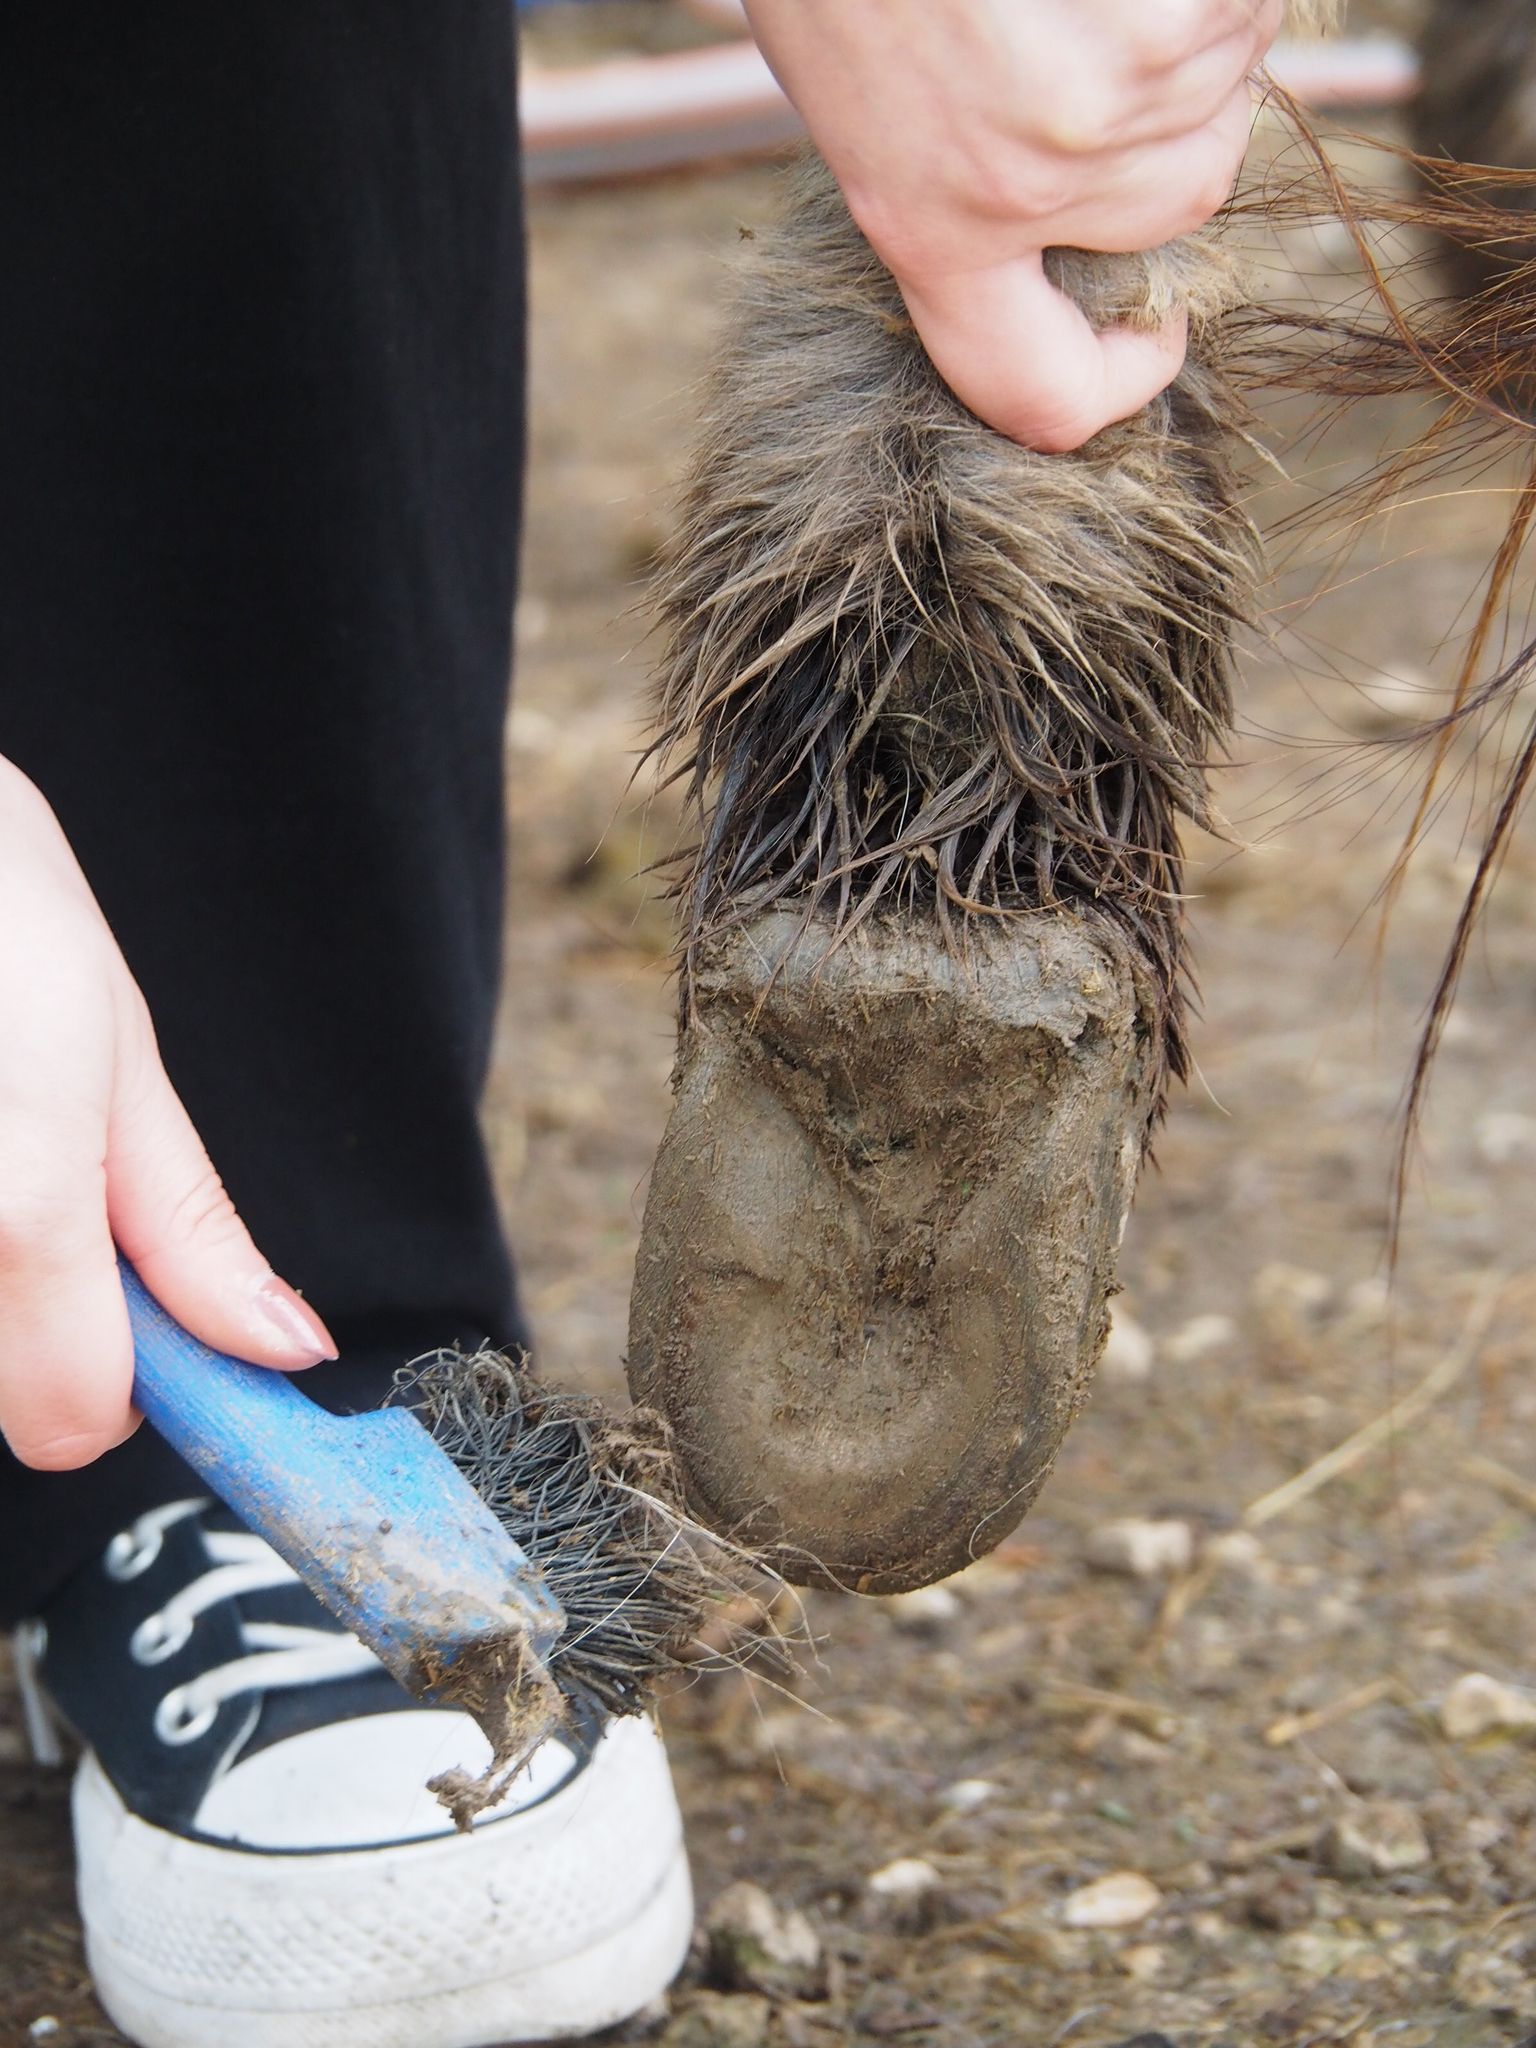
(1256, 1728)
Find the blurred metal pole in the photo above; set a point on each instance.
(629, 115)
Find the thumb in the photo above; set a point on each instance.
(1023, 358)
(172, 1219)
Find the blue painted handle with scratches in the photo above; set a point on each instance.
(368, 1509)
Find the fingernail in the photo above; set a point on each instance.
(287, 1316)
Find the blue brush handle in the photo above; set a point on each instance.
(368, 1509)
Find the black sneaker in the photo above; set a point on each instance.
(260, 1864)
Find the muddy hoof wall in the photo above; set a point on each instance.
(881, 1231)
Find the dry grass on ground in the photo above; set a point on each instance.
(1257, 1729)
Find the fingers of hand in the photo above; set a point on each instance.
(94, 1143)
(175, 1222)
(96, 1151)
(1172, 34)
(1142, 197)
(1164, 79)
(66, 1362)
(1024, 359)
(66, 1366)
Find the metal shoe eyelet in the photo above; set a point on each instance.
(178, 1721)
(128, 1557)
(157, 1638)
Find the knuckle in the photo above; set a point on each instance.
(1150, 50)
(39, 1230)
(141, 1084)
(134, 1021)
(1212, 191)
(1017, 184)
(1084, 121)
(1060, 428)
(1204, 193)
(63, 1450)
(203, 1216)
(1064, 413)
(1037, 190)
(56, 1417)
(884, 225)
(1163, 35)
(1062, 436)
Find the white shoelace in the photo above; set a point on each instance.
(277, 1654)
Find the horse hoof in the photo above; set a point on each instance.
(880, 1235)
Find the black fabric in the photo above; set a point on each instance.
(108, 1695)
(261, 435)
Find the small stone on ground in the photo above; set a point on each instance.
(1119, 1900)
(757, 1945)
(1478, 1705)
(1378, 1838)
(1140, 1548)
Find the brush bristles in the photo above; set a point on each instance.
(592, 1502)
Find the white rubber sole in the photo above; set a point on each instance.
(549, 1924)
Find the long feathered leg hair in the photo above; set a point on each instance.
(907, 663)
(1472, 350)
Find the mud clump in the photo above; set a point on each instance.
(880, 1236)
(593, 1501)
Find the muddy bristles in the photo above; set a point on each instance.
(592, 1501)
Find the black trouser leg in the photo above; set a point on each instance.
(260, 442)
